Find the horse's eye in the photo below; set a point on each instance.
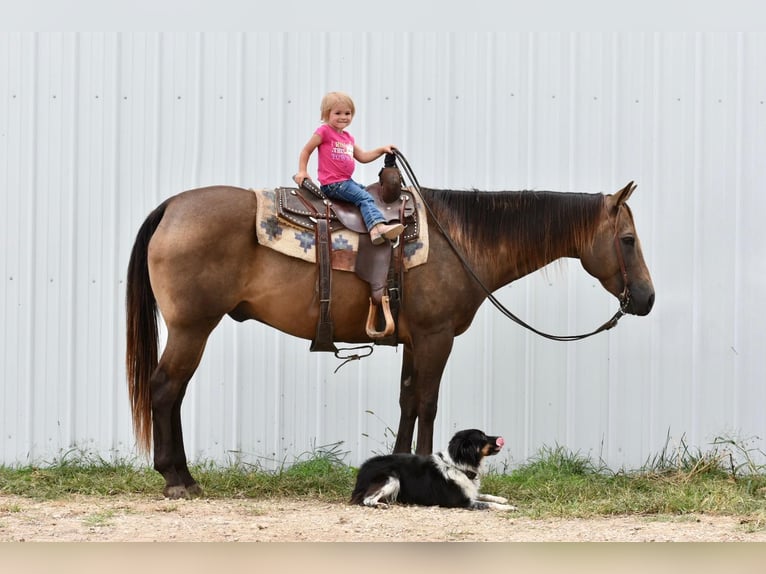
(629, 240)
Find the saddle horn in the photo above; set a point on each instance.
(390, 180)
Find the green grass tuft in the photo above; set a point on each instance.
(554, 483)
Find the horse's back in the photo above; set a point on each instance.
(208, 208)
(206, 221)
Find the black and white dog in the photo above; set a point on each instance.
(449, 479)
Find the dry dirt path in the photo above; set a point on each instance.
(142, 519)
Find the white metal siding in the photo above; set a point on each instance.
(97, 129)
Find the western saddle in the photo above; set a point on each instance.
(379, 265)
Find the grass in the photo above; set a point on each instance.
(99, 519)
(675, 483)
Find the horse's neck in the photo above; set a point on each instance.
(508, 234)
(550, 227)
(522, 261)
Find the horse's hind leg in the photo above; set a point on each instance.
(168, 387)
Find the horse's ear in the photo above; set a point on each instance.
(624, 194)
(619, 198)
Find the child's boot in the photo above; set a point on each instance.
(383, 231)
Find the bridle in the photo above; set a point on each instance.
(624, 296)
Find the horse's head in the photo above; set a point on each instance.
(615, 257)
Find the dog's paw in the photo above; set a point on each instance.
(506, 507)
(492, 498)
(372, 503)
(491, 505)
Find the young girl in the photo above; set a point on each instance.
(337, 152)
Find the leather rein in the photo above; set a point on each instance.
(624, 296)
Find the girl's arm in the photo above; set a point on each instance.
(303, 158)
(363, 156)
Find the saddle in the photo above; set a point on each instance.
(379, 265)
(301, 206)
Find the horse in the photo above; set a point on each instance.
(196, 258)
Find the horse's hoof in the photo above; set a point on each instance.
(194, 490)
(176, 492)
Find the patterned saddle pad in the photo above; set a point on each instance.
(294, 239)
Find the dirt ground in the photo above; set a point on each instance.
(136, 519)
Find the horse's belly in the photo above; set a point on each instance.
(284, 294)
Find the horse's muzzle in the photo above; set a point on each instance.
(640, 301)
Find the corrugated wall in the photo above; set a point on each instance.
(97, 129)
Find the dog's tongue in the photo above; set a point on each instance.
(500, 441)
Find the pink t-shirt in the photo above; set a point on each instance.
(335, 155)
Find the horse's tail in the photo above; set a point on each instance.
(142, 338)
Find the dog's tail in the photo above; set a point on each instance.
(357, 497)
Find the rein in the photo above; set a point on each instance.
(624, 296)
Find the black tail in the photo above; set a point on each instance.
(142, 337)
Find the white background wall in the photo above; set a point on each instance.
(97, 129)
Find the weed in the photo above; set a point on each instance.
(99, 518)
(168, 508)
(389, 435)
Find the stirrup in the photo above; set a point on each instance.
(372, 314)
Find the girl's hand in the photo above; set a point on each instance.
(300, 176)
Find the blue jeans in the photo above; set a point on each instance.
(350, 190)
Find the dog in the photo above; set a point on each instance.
(449, 479)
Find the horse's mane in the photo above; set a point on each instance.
(539, 223)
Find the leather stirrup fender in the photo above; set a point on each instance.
(324, 333)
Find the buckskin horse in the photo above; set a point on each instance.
(197, 258)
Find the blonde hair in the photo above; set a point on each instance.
(331, 99)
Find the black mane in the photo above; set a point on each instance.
(540, 222)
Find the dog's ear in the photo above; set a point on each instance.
(464, 451)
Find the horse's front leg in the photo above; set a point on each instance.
(407, 404)
(422, 371)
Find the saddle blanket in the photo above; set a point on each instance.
(277, 234)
